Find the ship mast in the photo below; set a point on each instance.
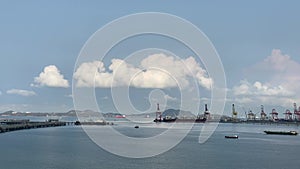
(234, 113)
(158, 114)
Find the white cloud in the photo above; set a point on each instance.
(50, 77)
(155, 71)
(258, 89)
(274, 82)
(277, 69)
(267, 90)
(242, 89)
(265, 100)
(257, 93)
(21, 92)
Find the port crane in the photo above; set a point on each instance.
(263, 115)
(274, 115)
(234, 113)
(296, 112)
(288, 115)
(250, 115)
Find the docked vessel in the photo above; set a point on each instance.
(200, 120)
(282, 132)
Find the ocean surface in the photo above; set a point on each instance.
(70, 148)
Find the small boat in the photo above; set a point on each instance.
(136, 127)
(232, 136)
(282, 132)
(169, 119)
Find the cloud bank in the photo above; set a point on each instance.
(21, 92)
(50, 77)
(155, 71)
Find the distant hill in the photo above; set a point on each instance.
(178, 113)
(169, 112)
(88, 113)
(8, 112)
(69, 113)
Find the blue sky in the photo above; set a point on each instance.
(36, 34)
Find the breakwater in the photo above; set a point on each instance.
(21, 125)
(7, 125)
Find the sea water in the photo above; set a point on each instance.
(70, 148)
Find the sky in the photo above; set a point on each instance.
(257, 42)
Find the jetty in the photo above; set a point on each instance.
(7, 125)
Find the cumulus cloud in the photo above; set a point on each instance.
(259, 89)
(50, 77)
(242, 89)
(265, 100)
(274, 81)
(155, 71)
(262, 93)
(279, 69)
(21, 92)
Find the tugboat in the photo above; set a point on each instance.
(169, 119)
(282, 132)
(136, 127)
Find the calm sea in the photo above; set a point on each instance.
(69, 148)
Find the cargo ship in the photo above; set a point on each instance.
(173, 116)
(282, 132)
(232, 137)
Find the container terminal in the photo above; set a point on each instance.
(262, 117)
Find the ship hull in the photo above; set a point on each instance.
(232, 137)
(181, 120)
(281, 132)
